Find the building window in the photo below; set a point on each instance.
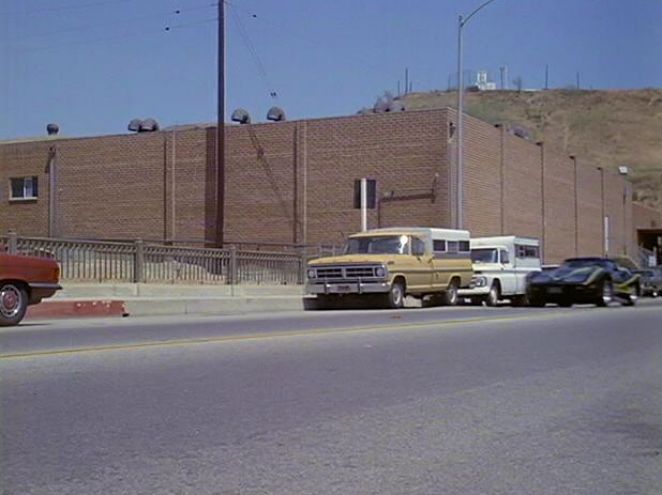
(23, 188)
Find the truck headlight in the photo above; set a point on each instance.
(480, 281)
(311, 273)
(380, 272)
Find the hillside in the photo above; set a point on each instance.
(608, 128)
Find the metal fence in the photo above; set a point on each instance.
(138, 261)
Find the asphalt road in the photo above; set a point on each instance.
(428, 401)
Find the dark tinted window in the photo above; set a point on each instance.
(438, 245)
(417, 246)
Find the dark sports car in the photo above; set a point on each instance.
(596, 281)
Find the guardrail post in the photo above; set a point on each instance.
(139, 262)
(301, 279)
(12, 242)
(233, 275)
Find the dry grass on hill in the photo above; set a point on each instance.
(608, 128)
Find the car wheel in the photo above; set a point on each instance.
(395, 299)
(536, 302)
(494, 295)
(606, 294)
(565, 303)
(631, 299)
(13, 304)
(519, 301)
(450, 297)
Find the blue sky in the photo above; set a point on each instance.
(93, 65)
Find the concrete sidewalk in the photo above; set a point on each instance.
(121, 300)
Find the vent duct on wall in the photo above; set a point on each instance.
(276, 114)
(140, 125)
(241, 116)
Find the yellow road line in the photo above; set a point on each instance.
(276, 335)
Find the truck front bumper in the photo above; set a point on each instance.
(475, 292)
(348, 288)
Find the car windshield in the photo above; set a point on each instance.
(579, 263)
(486, 255)
(391, 244)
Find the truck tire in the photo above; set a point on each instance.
(450, 296)
(395, 298)
(494, 295)
(13, 304)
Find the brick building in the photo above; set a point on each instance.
(293, 183)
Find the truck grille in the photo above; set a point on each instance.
(329, 272)
(345, 273)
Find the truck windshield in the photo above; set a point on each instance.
(392, 244)
(484, 256)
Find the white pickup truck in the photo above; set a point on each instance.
(501, 265)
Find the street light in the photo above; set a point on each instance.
(460, 108)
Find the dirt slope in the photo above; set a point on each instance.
(609, 128)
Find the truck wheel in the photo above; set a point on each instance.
(494, 295)
(450, 297)
(395, 298)
(13, 304)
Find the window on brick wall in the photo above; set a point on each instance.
(21, 188)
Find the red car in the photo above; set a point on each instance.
(25, 280)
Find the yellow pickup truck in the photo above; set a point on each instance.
(389, 264)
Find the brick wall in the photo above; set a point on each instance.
(645, 217)
(293, 182)
(483, 194)
(559, 176)
(522, 187)
(24, 160)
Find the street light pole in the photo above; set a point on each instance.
(220, 129)
(459, 214)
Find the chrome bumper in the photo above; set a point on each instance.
(475, 292)
(348, 288)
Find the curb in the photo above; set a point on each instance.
(164, 306)
(77, 309)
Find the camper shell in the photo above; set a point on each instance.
(501, 266)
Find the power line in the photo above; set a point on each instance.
(262, 71)
(120, 37)
(73, 6)
(287, 30)
(85, 27)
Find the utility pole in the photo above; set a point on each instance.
(220, 128)
(406, 80)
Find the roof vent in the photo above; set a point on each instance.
(149, 125)
(276, 114)
(143, 125)
(134, 125)
(241, 116)
(52, 129)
